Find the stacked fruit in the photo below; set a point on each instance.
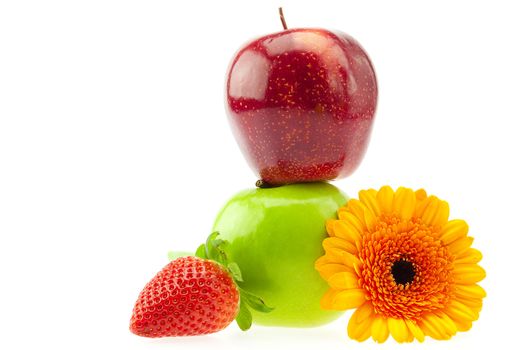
(301, 104)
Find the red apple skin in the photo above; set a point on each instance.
(301, 105)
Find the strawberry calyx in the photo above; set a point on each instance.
(213, 249)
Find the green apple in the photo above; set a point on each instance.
(275, 235)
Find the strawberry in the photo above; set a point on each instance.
(194, 296)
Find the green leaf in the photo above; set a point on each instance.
(255, 302)
(235, 271)
(214, 249)
(209, 246)
(220, 256)
(210, 249)
(201, 252)
(244, 317)
(172, 255)
(217, 243)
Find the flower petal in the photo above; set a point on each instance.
(359, 331)
(436, 213)
(327, 299)
(463, 325)
(343, 211)
(441, 216)
(362, 218)
(365, 332)
(327, 270)
(422, 205)
(460, 246)
(385, 199)
(468, 273)
(453, 230)
(344, 230)
(431, 329)
(340, 256)
(356, 208)
(474, 304)
(364, 311)
(421, 195)
(330, 227)
(348, 299)
(415, 330)
(398, 329)
(470, 256)
(368, 198)
(404, 203)
(446, 323)
(357, 222)
(379, 329)
(473, 291)
(410, 337)
(370, 220)
(343, 280)
(336, 242)
(460, 312)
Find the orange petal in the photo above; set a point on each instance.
(356, 208)
(370, 220)
(357, 222)
(468, 273)
(470, 256)
(330, 227)
(379, 329)
(343, 280)
(364, 311)
(340, 256)
(472, 291)
(463, 325)
(343, 229)
(336, 242)
(446, 323)
(325, 259)
(415, 330)
(474, 304)
(441, 217)
(460, 246)
(422, 205)
(327, 299)
(404, 203)
(460, 312)
(385, 199)
(453, 230)
(327, 270)
(368, 198)
(431, 329)
(421, 195)
(398, 329)
(348, 299)
(359, 331)
(436, 212)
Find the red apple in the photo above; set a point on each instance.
(301, 104)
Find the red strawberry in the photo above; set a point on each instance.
(195, 296)
(190, 296)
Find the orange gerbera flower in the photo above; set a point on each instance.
(408, 270)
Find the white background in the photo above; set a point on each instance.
(115, 148)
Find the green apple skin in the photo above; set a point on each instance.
(275, 236)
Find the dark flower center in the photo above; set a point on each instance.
(403, 272)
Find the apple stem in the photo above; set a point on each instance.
(283, 21)
(262, 184)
